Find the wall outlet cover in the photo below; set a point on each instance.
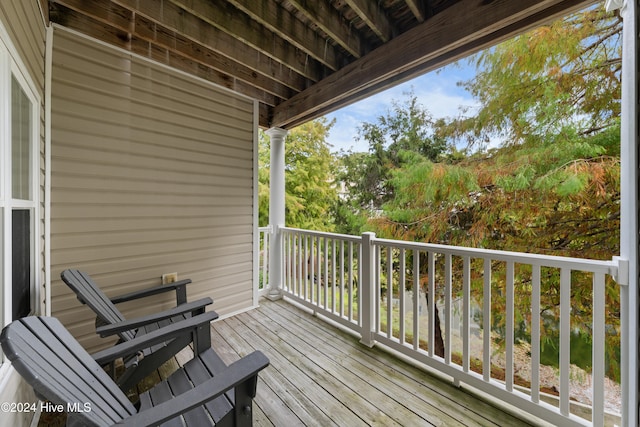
(169, 278)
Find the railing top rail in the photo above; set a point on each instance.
(590, 265)
(345, 237)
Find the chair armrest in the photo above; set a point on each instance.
(235, 375)
(195, 307)
(158, 336)
(179, 287)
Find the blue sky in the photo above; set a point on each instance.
(437, 91)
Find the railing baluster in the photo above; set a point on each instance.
(535, 334)
(333, 276)
(265, 259)
(402, 282)
(342, 283)
(432, 307)
(598, 349)
(389, 292)
(466, 311)
(565, 336)
(307, 271)
(315, 266)
(324, 281)
(300, 247)
(416, 300)
(509, 327)
(377, 287)
(447, 308)
(486, 321)
(283, 277)
(287, 265)
(351, 281)
(360, 272)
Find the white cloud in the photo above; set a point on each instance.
(437, 92)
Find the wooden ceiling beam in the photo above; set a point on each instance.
(283, 23)
(226, 18)
(331, 22)
(464, 28)
(374, 17)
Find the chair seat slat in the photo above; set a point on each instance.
(198, 373)
(179, 383)
(161, 393)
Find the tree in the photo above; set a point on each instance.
(565, 75)
(553, 95)
(408, 129)
(310, 191)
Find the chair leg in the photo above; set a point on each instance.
(202, 339)
(244, 394)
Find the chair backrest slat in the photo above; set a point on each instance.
(58, 368)
(90, 294)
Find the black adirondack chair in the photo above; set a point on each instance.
(110, 321)
(204, 392)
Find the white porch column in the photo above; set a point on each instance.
(629, 230)
(276, 210)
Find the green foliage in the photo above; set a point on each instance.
(559, 76)
(404, 136)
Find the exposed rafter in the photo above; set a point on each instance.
(285, 25)
(303, 58)
(332, 23)
(374, 17)
(418, 9)
(221, 16)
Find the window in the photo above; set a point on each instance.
(19, 129)
(21, 159)
(21, 301)
(20, 142)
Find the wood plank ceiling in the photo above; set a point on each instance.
(304, 58)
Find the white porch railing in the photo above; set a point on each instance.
(369, 285)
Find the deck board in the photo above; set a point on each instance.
(321, 375)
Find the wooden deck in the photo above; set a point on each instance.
(322, 376)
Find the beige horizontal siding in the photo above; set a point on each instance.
(24, 23)
(152, 173)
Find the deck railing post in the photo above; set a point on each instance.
(629, 207)
(276, 211)
(366, 291)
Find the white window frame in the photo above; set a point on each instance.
(12, 66)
